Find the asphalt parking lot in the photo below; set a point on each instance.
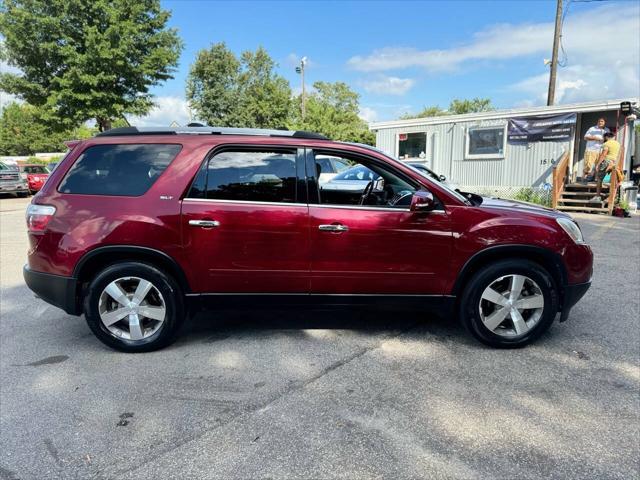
(302, 394)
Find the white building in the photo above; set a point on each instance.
(477, 151)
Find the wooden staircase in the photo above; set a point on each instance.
(576, 197)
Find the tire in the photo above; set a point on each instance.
(131, 331)
(489, 292)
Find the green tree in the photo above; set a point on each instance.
(84, 59)
(456, 107)
(212, 86)
(426, 112)
(332, 109)
(23, 132)
(470, 106)
(231, 92)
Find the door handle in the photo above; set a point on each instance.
(334, 227)
(204, 223)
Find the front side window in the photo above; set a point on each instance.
(412, 145)
(366, 184)
(485, 142)
(255, 176)
(120, 170)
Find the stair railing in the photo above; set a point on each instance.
(559, 178)
(613, 182)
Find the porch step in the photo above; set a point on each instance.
(582, 193)
(585, 186)
(565, 208)
(579, 200)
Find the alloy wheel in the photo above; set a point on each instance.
(511, 305)
(132, 308)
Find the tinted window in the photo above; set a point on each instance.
(264, 176)
(118, 169)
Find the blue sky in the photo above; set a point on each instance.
(400, 56)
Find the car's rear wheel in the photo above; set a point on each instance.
(509, 304)
(134, 307)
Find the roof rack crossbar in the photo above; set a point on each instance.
(127, 131)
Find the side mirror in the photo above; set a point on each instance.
(442, 178)
(422, 201)
(378, 185)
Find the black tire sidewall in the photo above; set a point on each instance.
(167, 286)
(470, 315)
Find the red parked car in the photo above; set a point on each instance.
(136, 228)
(35, 175)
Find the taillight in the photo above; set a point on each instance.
(39, 216)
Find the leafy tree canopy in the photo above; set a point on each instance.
(84, 59)
(456, 107)
(231, 92)
(23, 132)
(332, 109)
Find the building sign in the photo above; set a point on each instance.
(549, 128)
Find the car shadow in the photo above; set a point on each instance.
(229, 323)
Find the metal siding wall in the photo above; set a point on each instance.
(523, 166)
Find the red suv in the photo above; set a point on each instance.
(136, 228)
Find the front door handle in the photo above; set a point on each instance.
(334, 227)
(204, 223)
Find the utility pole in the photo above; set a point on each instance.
(300, 70)
(554, 58)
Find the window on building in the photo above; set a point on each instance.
(485, 142)
(412, 145)
(127, 170)
(256, 176)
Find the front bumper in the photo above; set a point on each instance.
(57, 290)
(572, 294)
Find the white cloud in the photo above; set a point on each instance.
(579, 83)
(384, 85)
(611, 30)
(166, 111)
(602, 46)
(368, 114)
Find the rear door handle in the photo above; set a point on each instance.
(334, 227)
(204, 223)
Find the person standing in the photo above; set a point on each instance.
(607, 162)
(594, 138)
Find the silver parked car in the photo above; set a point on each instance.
(11, 181)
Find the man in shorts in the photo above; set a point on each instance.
(594, 138)
(606, 162)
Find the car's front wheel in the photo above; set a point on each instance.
(509, 303)
(134, 307)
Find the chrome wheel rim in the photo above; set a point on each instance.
(132, 308)
(511, 305)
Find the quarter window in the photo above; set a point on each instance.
(485, 142)
(264, 176)
(127, 170)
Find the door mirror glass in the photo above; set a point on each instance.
(422, 201)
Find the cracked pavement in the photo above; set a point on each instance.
(313, 394)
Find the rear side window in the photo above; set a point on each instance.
(125, 170)
(265, 176)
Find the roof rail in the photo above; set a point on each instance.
(127, 131)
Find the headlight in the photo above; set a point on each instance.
(571, 228)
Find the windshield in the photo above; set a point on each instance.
(430, 175)
(360, 173)
(8, 166)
